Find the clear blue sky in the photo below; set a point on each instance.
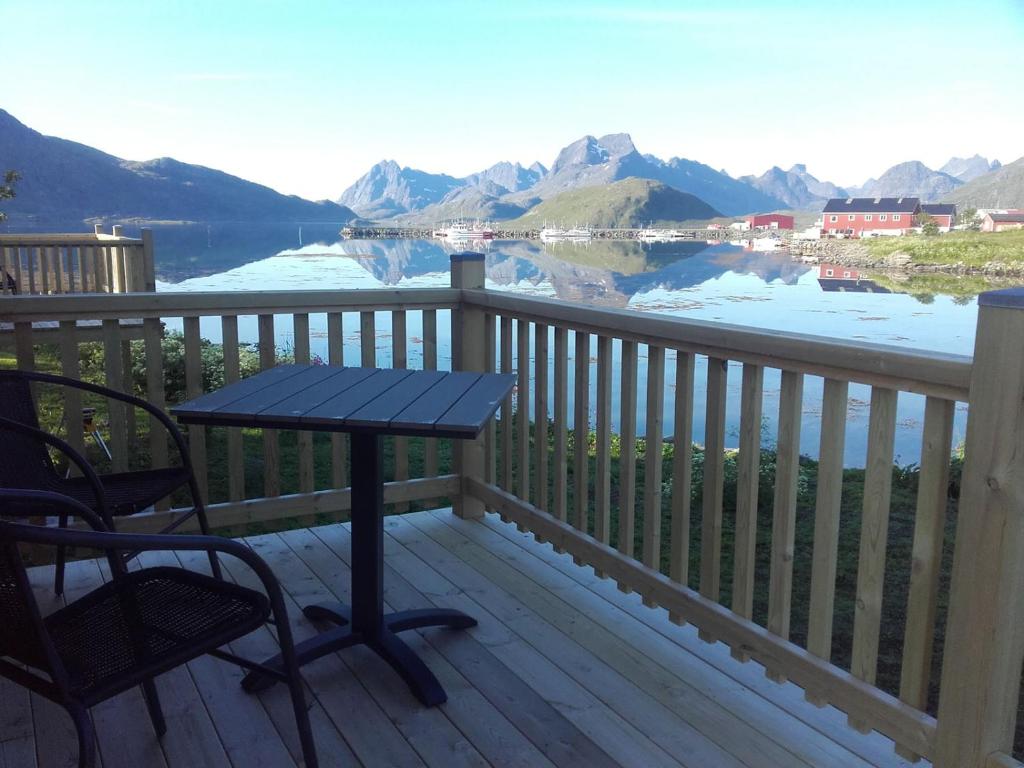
(305, 96)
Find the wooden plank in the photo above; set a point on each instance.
(18, 278)
(627, 449)
(787, 476)
(361, 386)
(479, 402)
(581, 428)
(438, 408)
(926, 554)
(367, 340)
(714, 471)
(748, 471)
(560, 465)
(828, 503)
(232, 374)
(885, 713)
(523, 410)
(540, 414)
(603, 443)
(652, 458)
(194, 388)
(291, 398)
(339, 442)
(114, 378)
(506, 406)
(429, 395)
(399, 359)
(32, 257)
(682, 472)
(223, 399)
(6, 268)
(874, 533)
(271, 445)
(24, 350)
(430, 465)
(304, 440)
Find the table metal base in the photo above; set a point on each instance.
(365, 621)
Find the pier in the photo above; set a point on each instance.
(426, 233)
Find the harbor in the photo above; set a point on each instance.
(426, 232)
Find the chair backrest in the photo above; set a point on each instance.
(24, 461)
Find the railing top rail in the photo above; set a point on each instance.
(142, 305)
(75, 239)
(912, 370)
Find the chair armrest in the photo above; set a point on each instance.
(74, 456)
(113, 394)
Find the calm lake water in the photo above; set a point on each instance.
(722, 282)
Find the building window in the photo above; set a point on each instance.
(882, 217)
(846, 274)
(867, 217)
(851, 217)
(828, 273)
(895, 217)
(833, 219)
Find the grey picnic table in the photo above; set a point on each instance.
(368, 403)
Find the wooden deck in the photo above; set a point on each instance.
(564, 670)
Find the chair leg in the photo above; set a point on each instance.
(156, 712)
(58, 581)
(204, 525)
(86, 736)
(290, 663)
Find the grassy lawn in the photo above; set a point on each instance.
(971, 249)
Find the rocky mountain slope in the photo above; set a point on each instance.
(1001, 188)
(910, 179)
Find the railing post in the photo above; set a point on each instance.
(468, 354)
(148, 261)
(981, 667)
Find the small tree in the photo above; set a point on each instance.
(7, 188)
(929, 227)
(968, 219)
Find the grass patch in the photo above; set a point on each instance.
(971, 249)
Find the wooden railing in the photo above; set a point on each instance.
(553, 475)
(76, 263)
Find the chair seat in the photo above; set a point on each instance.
(127, 493)
(147, 622)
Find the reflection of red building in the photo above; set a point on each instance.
(836, 277)
(860, 216)
(770, 221)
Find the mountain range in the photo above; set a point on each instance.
(64, 180)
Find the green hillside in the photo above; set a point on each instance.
(628, 203)
(1001, 188)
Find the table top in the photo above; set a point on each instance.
(387, 401)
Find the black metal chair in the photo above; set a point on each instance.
(138, 625)
(25, 461)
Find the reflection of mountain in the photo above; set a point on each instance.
(605, 272)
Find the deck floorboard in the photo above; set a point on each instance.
(563, 670)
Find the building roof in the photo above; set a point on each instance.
(1006, 217)
(872, 205)
(939, 209)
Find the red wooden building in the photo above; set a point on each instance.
(943, 214)
(868, 216)
(770, 221)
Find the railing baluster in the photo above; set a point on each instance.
(581, 430)
(114, 374)
(824, 562)
(24, 350)
(652, 458)
(18, 279)
(32, 257)
(560, 469)
(523, 410)
(59, 274)
(747, 482)
(271, 447)
(682, 473)
(540, 418)
(303, 439)
(714, 475)
(873, 537)
(929, 529)
(490, 431)
(603, 443)
(430, 466)
(72, 397)
(5, 266)
(506, 405)
(232, 373)
(193, 389)
(367, 340)
(787, 475)
(336, 356)
(399, 359)
(44, 269)
(627, 449)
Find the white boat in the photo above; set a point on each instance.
(662, 235)
(460, 230)
(558, 234)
